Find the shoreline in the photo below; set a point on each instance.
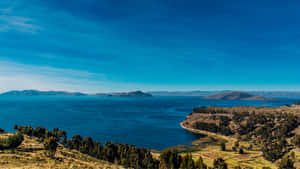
(196, 131)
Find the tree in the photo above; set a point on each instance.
(15, 140)
(250, 147)
(187, 162)
(286, 163)
(26, 130)
(40, 132)
(273, 151)
(223, 146)
(87, 145)
(169, 159)
(296, 140)
(237, 144)
(15, 127)
(220, 164)
(50, 144)
(241, 151)
(200, 164)
(76, 142)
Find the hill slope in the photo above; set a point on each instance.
(31, 154)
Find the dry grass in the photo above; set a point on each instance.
(31, 154)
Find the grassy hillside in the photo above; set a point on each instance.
(31, 154)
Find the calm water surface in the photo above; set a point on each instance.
(147, 122)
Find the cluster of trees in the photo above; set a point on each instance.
(42, 133)
(132, 156)
(210, 110)
(50, 139)
(171, 159)
(274, 150)
(123, 154)
(222, 127)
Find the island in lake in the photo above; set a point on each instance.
(236, 95)
(125, 94)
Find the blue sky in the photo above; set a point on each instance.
(120, 45)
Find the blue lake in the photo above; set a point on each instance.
(144, 122)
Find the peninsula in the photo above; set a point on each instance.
(252, 136)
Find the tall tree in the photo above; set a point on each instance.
(220, 164)
(50, 144)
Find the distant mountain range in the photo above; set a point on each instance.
(63, 93)
(235, 95)
(186, 93)
(267, 94)
(41, 93)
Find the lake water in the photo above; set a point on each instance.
(144, 122)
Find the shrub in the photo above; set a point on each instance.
(15, 140)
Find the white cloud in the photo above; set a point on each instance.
(16, 76)
(18, 23)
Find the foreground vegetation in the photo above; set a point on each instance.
(31, 153)
(53, 149)
(254, 137)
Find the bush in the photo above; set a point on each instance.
(15, 140)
